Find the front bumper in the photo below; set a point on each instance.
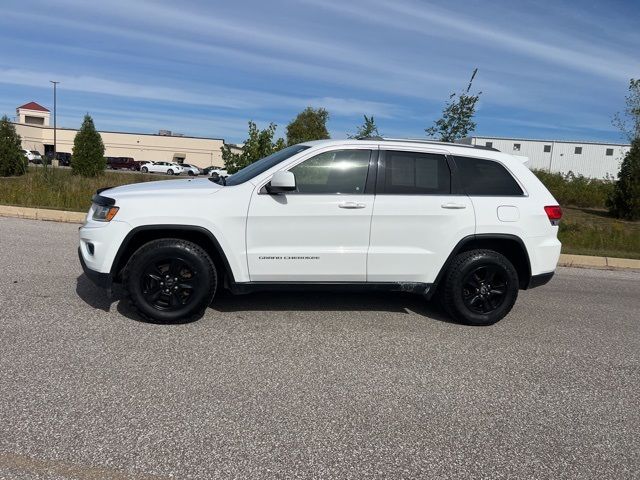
(103, 280)
(100, 241)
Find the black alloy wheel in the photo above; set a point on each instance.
(480, 287)
(484, 289)
(170, 280)
(169, 284)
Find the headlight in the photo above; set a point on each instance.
(104, 214)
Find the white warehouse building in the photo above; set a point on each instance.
(591, 159)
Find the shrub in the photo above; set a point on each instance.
(12, 161)
(624, 200)
(88, 151)
(576, 190)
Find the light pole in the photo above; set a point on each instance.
(55, 84)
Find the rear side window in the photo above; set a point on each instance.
(486, 177)
(413, 173)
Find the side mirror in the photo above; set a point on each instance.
(281, 182)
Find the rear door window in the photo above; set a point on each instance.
(415, 173)
(486, 177)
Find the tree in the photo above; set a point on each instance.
(628, 121)
(259, 144)
(12, 161)
(624, 201)
(457, 116)
(310, 124)
(367, 129)
(88, 150)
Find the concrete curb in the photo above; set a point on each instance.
(42, 214)
(566, 260)
(586, 261)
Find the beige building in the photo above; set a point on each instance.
(33, 126)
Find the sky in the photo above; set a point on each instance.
(546, 69)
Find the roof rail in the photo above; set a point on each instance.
(430, 142)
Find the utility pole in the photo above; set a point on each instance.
(55, 84)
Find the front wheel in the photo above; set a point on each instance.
(170, 280)
(169, 172)
(144, 170)
(481, 287)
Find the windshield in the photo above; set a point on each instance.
(264, 164)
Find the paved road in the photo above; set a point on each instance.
(311, 385)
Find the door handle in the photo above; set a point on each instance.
(453, 206)
(351, 205)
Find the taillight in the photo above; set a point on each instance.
(554, 213)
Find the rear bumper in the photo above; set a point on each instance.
(103, 280)
(539, 280)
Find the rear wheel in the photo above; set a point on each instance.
(170, 280)
(481, 287)
(144, 170)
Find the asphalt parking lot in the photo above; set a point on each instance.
(311, 385)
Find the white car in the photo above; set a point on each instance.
(169, 168)
(32, 156)
(221, 172)
(191, 170)
(469, 224)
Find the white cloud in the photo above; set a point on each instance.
(420, 19)
(213, 96)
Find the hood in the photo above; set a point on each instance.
(195, 186)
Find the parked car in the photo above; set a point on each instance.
(64, 158)
(169, 168)
(33, 156)
(469, 224)
(121, 163)
(138, 165)
(211, 170)
(191, 169)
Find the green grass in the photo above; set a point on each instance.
(59, 189)
(585, 231)
(587, 228)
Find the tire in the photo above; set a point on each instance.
(169, 172)
(170, 281)
(190, 173)
(144, 170)
(480, 288)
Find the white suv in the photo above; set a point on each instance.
(32, 156)
(162, 167)
(469, 223)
